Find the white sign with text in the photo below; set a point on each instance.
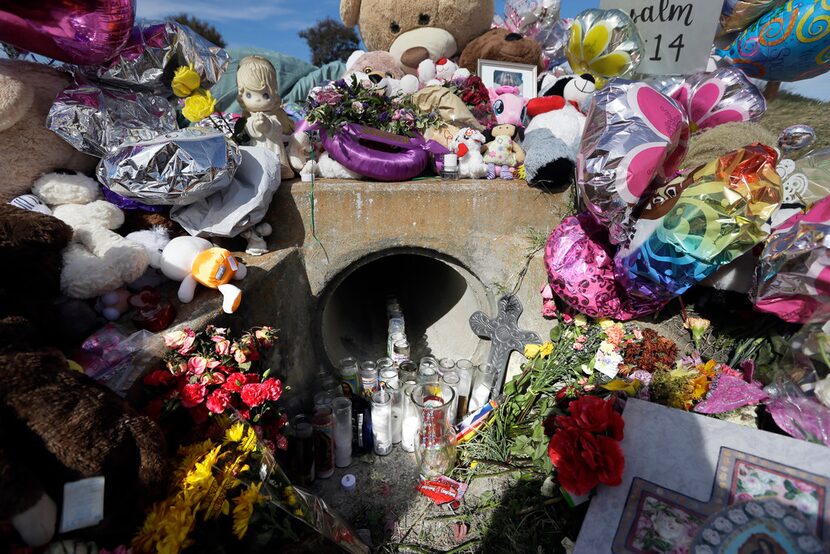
(678, 35)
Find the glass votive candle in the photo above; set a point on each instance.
(483, 383)
(408, 372)
(464, 369)
(452, 380)
(445, 365)
(382, 422)
(342, 408)
(428, 371)
(349, 374)
(389, 381)
(409, 428)
(368, 378)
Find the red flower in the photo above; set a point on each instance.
(234, 382)
(583, 460)
(218, 401)
(158, 378)
(594, 415)
(273, 389)
(253, 395)
(192, 394)
(282, 442)
(252, 378)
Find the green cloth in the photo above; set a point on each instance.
(295, 77)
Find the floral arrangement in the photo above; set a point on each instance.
(209, 373)
(585, 447)
(229, 494)
(342, 102)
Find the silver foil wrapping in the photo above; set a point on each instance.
(792, 278)
(721, 96)
(153, 53)
(634, 140)
(177, 168)
(96, 120)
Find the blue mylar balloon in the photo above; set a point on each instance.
(789, 43)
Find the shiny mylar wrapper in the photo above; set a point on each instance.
(177, 168)
(792, 278)
(634, 140)
(604, 43)
(699, 222)
(806, 181)
(97, 120)
(153, 53)
(737, 15)
(725, 95)
(795, 138)
(528, 17)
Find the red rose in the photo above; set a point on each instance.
(234, 382)
(594, 415)
(158, 378)
(583, 460)
(218, 401)
(192, 394)
(253, 395)
(273, 389)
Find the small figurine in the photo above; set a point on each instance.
(502, 154)
(267, 123)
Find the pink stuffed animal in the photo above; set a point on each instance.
(508, 105)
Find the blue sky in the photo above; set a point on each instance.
(274, 24)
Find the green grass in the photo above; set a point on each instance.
(789, 109)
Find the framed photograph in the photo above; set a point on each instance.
(496, 74)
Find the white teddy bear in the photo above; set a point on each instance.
(98, 260)
(467, 144)
(440, 73)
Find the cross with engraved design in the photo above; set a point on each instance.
(504, 333)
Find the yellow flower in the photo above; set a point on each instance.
(185, 81)
(198, 106)
(541, 350)
(244, 509)
(701, 387)
(532, 350)
(580, 320)
(708, 369)
(605, 323)
(235, 433)
(620, 385)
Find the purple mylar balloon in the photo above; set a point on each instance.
(85, 32)
(351, 147)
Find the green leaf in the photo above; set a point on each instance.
(790, 487)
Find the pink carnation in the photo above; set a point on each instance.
(273, 389)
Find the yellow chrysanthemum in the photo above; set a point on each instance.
(235, 433)
(244, 508)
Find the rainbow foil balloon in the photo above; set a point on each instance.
(788, 43)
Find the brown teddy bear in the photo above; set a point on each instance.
(503, 46)
(33, 241)
(58, 426)
(416, 31)
(27, 147)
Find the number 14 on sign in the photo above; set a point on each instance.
(676, 44)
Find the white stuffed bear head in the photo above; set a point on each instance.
(74, 199)
(154, 240)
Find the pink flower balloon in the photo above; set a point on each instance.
(726, 95)
(86, 32)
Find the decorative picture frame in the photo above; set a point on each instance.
(495, 74)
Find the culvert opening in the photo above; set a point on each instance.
(436, 295)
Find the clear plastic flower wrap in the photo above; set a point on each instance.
(700, 222)
(635, 138)
(178, 168)
(792, 278)
(97, 119)
(153, 53)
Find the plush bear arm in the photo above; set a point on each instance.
(19, 488)
(520, 154)
(187, 290)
